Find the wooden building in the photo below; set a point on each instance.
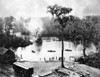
(23, 69)
(7, 56)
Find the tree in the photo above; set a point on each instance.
(8, 24)
(90, 33)
(60, 15)
(1, 32)
(50, 28)
(1, 25)
(86, 30)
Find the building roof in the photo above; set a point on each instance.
(3, 51)
(25, 65)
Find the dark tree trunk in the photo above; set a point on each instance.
(62, 53)
(84, 48)
(84, 54)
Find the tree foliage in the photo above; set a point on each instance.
(1, 26)
(10, 40)
(60, 16)
(84, 31)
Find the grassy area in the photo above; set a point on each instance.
(42, 67)
(71, 67)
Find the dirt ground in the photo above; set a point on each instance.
(42, 67)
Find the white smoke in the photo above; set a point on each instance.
(34, 24)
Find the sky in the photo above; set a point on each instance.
(38, 8)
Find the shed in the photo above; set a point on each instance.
(6, 55)
(24, 69)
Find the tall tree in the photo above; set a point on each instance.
(1, 25)
(87, 31)
(1, 32)
(8, 24)
(60, 15)
(90, 33)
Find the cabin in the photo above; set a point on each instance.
(23, 69)
(7, 55)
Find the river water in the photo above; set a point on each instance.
(40, 53)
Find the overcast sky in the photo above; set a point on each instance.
(38, 8)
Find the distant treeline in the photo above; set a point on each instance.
(76, 29)
(9, 26)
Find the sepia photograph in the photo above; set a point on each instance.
(49, 38)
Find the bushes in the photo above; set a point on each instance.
(39, 41)
(15, 42)
(91, 60)
(94, 61)
(81, 60)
